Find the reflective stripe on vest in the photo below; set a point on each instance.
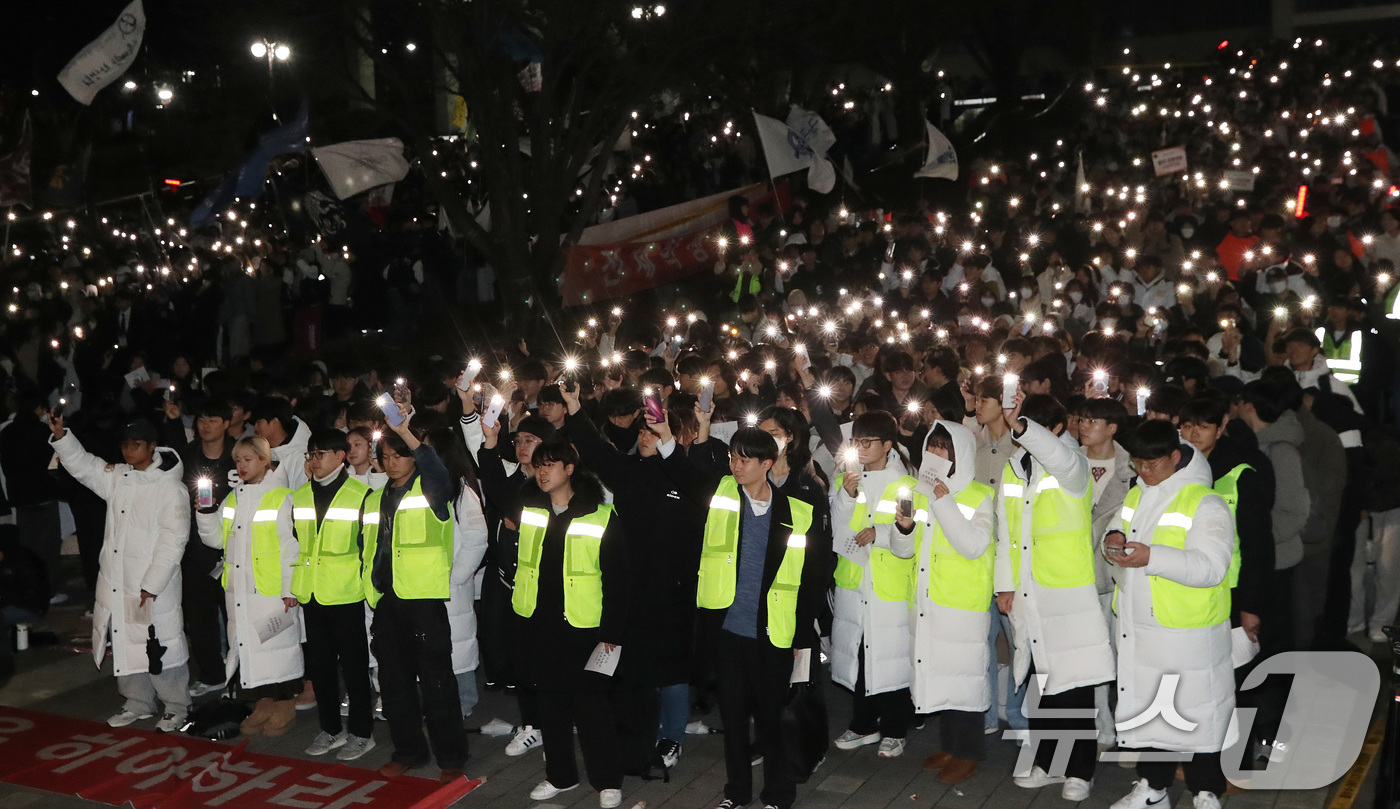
(583, 573)
(889, 574)
(1176, 605)
(719, 570)
(1060, 533)
(1228, 487)
(328, 565)
(1343, 359)
(421, 549)
(265, 545)
(953, 579)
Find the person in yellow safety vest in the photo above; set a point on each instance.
(1172, 617)
(1244, 478)
(1044, 578)
(1303, 350)
(1341, 339)
(952, 585)
(327, 581)
(253, 528)
(764, 573)
(870, 608)
(408, 549)
(571, 598)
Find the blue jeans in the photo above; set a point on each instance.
(466, 692)
(1015, 718)
(675, 709)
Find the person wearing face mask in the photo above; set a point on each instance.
(954, 559)
(1051, 282)
(1028, 300)
(870, 628)
(657, 666)
(1279, 303)
(1078, 308)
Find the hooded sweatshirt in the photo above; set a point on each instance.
(1281, 441)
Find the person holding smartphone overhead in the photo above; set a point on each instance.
(1045, 582)
(254, 529)
(870, 614)
(138, 582)
(954, 555)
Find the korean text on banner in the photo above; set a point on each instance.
(106, 58)
(1169, 161)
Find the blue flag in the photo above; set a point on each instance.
(248, 181)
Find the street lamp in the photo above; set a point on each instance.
(272, 51)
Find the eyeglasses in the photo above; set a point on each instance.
(524, 440)
(1138, 464)
(866, 443)
(317, 455)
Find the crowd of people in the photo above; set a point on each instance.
(1119, 427)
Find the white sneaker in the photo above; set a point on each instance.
(1075, 789)
(1205, 800)
(891, 748)
(58, 598)
(527, 738)
(170, 723)
(544, 790)
(326, 742)
(355, 746)
(850, 740)
(1377, 636)
(609, 799)
(1142, 797)
(1037, 779)
(125, 717)
(697, 728)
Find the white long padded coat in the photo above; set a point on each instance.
(468, 549)
(863, 624)
(1205, 692)
(279, 658)
(1061, 628)
(148, 524)
(949, 649)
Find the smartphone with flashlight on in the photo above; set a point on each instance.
(390, 408)
(707, 395)
(493, 412)
(655, 412)
(401, 393)
(905, 503)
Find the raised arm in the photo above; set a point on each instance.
(86, 468)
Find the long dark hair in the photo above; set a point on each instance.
(461, 467)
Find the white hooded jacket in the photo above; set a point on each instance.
(862, 623)
(1147, 651)
(148, 523)
(1061, 628)
(949, 650)
(278, 658)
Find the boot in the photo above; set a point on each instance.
(280, 717)
(306, 700)
(253, 725)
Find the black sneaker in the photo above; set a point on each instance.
(727, 804)
(669, 751)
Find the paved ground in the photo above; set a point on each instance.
(62, 680)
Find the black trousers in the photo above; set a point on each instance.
(637, 715)
(1084, 752)
(336, 647)
(39, 529)
(753, 682)
(494, 618)
(963, 734)
(413, 643)
(1203, 773)
(591, 712)
(202, 599)
(889, 712)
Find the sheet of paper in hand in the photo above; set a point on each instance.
(602, 661)
(802, 667)
(274, 625)
(137, 614)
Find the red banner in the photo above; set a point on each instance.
(672, 244)
(151, 770)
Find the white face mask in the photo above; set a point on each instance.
(1277, 287)
(1076, 296)
(1334, 221)
(988, 301)
(782, 444)
(1028, 292)
(1188, 232)
(1108, 322)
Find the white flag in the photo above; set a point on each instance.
(107, 57)
(812, 129)
(359, 165)
(942, 160)
(787, 150)
(1081, 191)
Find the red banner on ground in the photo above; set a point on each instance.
(150, 770)
(652, 249)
